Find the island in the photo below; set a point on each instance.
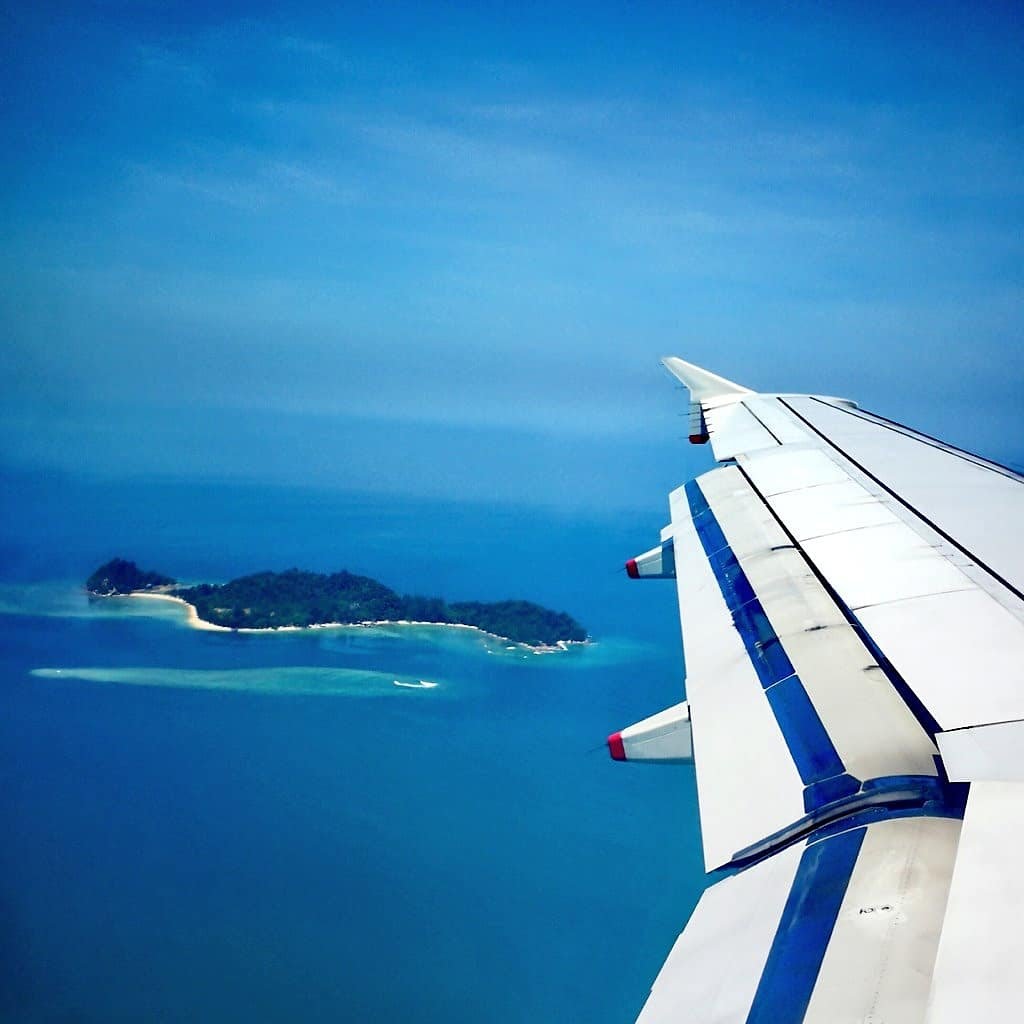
(297, 599)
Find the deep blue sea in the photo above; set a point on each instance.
(206, 826)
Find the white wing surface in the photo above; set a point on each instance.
(851, 595)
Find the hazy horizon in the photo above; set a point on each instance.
(431, 251)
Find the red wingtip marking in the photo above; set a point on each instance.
(631, 570)
(615, 747)
(699, 439)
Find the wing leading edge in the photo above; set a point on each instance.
(850, 593)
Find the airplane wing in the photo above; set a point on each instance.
(851, 595)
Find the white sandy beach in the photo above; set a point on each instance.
(193, 615)
(197, 623)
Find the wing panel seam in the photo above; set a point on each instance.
(906, 504)
(909, 697)
(775, 437)
(916, 435)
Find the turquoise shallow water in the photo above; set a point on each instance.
(223, 827)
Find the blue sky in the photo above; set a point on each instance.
(440, 249)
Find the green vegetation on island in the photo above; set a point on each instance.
(119, 576)
(268, 600)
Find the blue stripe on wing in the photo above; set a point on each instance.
(829, 790)
(809, 744)
(803, 935)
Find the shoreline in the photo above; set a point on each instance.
(196, 622)
(193, 619)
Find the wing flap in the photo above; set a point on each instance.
(842, 927)
(977, 971)
(717, 962)
(879, 961)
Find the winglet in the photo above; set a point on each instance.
(704, 386)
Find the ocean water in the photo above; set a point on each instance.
(206, 826)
